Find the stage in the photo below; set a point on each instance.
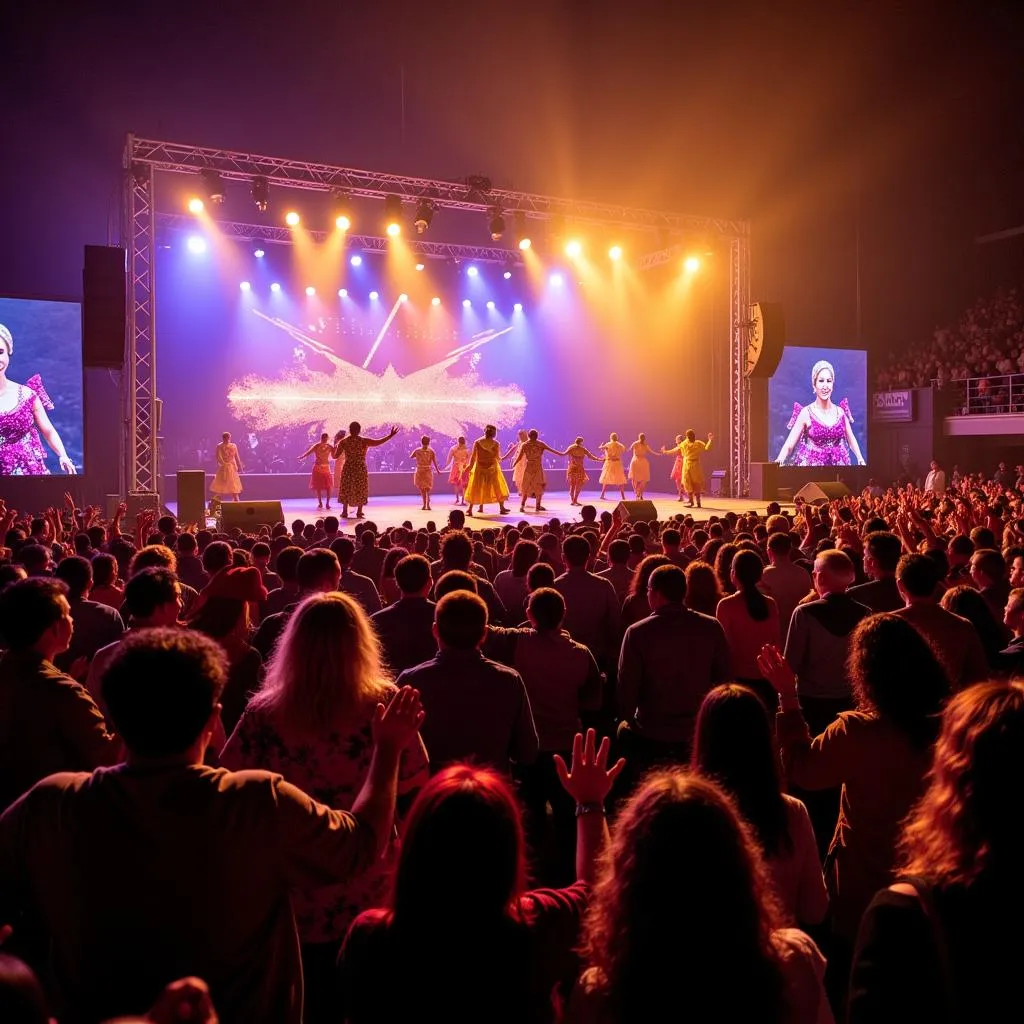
(390, 510)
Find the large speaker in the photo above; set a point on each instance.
(766, 339)
(637, 511)
(764, 481)
(249, 514)
(192, 497)
(104, 306)
(817, 492)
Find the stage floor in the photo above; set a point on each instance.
(390, 510)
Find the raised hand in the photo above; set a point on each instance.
(185, 1000)
(774, 667)
(590, 779)
(395, 725)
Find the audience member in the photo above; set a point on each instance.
(636, 606)
(368, 559)
(510, 584)
(988, 573)
(969, 604)
(618, 573)
(286, 566)
(390, 592)
(106, 588)
(190, 568)
(457, 554)
(406, 628)
(592, 614)
(881, 554)
(96, 625)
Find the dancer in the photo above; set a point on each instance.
(227, 483)
(693, 471)
(22, 419)
(355, 478)
(339, 462)
(576, 473)
(518, 468)
(423, 478)
(824, 430)
(640, 465)
(458, 459)
(320, 479)
(612, 474)
(677, 466)
(486, 481)
(533, 482)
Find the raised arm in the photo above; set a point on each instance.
(507, 452)
(305, 454)
(518, 458)
(373, 442)
(794, 434)
(554, 451)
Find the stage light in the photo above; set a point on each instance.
(519, 231)
(245, 286)
(393, 215)
(472, 271)
(356, 261)
(374, 296)
(424, 215)
(341, 210)
(258, 248)
(518, 307)
(466, 303)
(275, 287)
(196, 244)
(691, 264)
(496, 226)
(261, 193)
(342, 223)
(490, 304)
(524, 244)
(291, 218)
(403, 297)
(556, 279)
(419, 266)
(342, 293)
(435, 301)
(212, 185)
(196, 205)
(615, 252)
(573, 248)
(507, 275)
(310, 290)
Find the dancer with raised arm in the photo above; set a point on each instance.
(612, 474)
(677, 466)
(355, 478)
(426, 464)
(821, 434)
(339, 461)
(228, 482)
(693, 472)
(640, 465)
(534, 483)
(576, 473)
(321, 479)
(486, 482)
(458, 459)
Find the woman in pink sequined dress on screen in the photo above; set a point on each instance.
(22, 419)
(821, 434)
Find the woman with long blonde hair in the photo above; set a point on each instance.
(311, 722)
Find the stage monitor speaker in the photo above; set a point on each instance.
(192, 497)
(247, 514)
(764, 481)
(817, 492)
(637, 511)
(766, 339)
(104, 306)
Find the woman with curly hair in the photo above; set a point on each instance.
(636, 605)
(683, 917)
(723, 567)
(942, 945)
(703, 591)
(966, 602)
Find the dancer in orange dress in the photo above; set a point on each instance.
(576, 473)
(458, 460)
(321, 480)
(486, 482)
(533, 482)
(227, 482)
(423, 478)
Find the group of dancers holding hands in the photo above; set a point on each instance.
(475, 472)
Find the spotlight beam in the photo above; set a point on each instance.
(384, 330)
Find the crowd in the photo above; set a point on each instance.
(747, 767)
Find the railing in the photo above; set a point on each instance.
(998, 394)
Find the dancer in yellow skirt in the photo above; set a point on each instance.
(693, 472)
(486, 480)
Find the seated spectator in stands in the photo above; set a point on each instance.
(988, 573)
(592, 614)
(970, 605)
(473, 943)
(703, 591)
(669, 662)
(190, 566)
(881, 555)
(618, 573)
(750, 620)
(286, 566)
(682, 909)
(878, 753)
(261, 560)
(312, 722)
(457, 554)
(934, 945)
(48, 723)
(368, 559)
(954, 639)
(96, 625)
(106, 588)
(510, 584)
(188, 868)
(317, 572)
(1013, 619)
(783, 580)
(390, 592)
(734, 746)
(406, 628)
(159, 556)
(478, 710)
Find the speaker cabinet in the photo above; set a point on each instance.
(104, 306)
(192, 497)
(247, 515)
(764, 481)
(818, 492)
(637, 511)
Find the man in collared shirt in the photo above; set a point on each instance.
(406, 628)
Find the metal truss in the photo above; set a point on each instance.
(365, 243)
(739, 384)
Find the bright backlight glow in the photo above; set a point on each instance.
(195, 205)
(196, 244)
(291, 218)
(356, 261)
(615, 252)
(490, 304)
(275, 287)
(245, 286)
(374, 296)
(466, 303)
(310, 290)
(435, 301)
(573, 249)
(394, 229)
(691, 264)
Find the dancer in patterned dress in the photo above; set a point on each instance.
(677, 466)
(227, 483)
(339, 461)
(612, 474)
(640, 465)
(320, 479)
(355, 478)
(486, 482)
(423, 478)
(518, 468)
(576, 473)
(533, 484)
(458, 460)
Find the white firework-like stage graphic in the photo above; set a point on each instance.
(432, 399)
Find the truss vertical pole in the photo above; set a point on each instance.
(739, 386)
